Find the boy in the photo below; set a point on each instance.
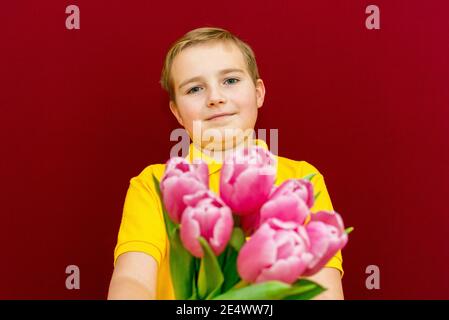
(212, 80)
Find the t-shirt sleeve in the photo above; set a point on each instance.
(142, 226)
(323, 202)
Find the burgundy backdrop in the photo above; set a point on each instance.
(82, 112)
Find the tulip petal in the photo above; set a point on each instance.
(207, 216)
(286, 208)
(257, 253)
(285, 250)
(285, 270)
(251, 190)
(190, 232)
(247, 178)
(301, 188)
(328, 217)
(202, 172)
(175, 188)
(326, 231)
(277, 224)
(319, 242)
(222, 231)
(192, 200)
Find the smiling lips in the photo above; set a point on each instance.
(220, 116)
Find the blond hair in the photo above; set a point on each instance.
(200, 36)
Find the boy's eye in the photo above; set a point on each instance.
(193, 90)
(232, 80)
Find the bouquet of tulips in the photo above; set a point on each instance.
(254, 240)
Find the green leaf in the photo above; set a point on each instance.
(304, 290)
(316, 196)
(237, 238)
(230, 269)
(222, 258)
(270, 290)
(210, 277)
(197, 265)
(214, 293)
(182, 268)
(182, 263)
(194, 295)
(169, 224)
(274, 290)
(349, 230)
(310, 176)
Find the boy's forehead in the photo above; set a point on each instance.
(206, 59)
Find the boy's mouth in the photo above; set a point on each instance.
(219, 116)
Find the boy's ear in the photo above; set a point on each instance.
(175, 111)
(260, 93)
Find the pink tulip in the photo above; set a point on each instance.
(301, 188)
(278, 250)
(182, 178)
(247, 179)
(327, 236)
(291, 201)
(206, 216)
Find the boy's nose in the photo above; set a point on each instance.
(215, 98)
(215, 102)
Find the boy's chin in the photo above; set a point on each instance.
(234, 128)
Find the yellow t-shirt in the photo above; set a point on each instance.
(142, 227)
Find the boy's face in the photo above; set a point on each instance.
(214, 88)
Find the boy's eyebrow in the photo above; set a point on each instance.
(221, 72)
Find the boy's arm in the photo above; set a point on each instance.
(134, 277)
(329, 278)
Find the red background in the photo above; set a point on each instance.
(82, 112)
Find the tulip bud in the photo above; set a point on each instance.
(208, 217)
(327, 235)
(291, 201)
(182, 178)
(247, 178)
(278, 250)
